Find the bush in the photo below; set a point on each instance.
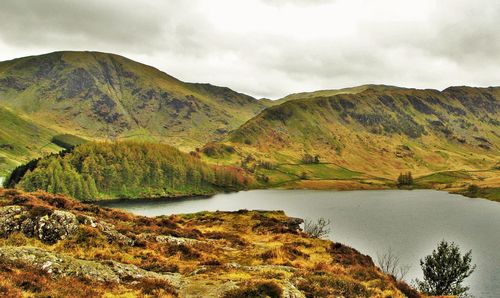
(309, 159)
(445, 270)
(327, 285)
(256, 289)
(472, 190)
(156, 287)
(318, 229)
(390, 264)
(407, 290)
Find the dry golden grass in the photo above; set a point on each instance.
(221, 249)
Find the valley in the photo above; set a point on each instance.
(353, 138)
(252, 149)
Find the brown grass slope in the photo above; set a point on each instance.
(51, 245)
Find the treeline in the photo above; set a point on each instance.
(127, 169)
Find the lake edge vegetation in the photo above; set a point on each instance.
(104, 170)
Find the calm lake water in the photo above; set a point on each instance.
(411, 223)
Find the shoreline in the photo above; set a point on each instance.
(105, 202)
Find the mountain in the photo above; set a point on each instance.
(104, 96)
(100, 95)
(52, 245)
(376, 132)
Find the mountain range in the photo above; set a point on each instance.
(367, 134)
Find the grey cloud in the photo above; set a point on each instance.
(456, 43)
(90, 23)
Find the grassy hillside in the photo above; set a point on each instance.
(22, 140)
(330, 92)
(104, 96)
(97, 171)
(377, 133)
(88, 251)
(478, 183)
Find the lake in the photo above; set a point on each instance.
(411, 223)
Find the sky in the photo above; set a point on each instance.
(276, 47)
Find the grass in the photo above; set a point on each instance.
(259, 252)
(490, 193)
(21, 140)
(378, 131)
(447, 177)
(68, 141)
(319, 171)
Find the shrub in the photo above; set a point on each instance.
(309, 159)
(156, 287)
(256, 289)
(445, 270)
(407, 290)
(318, 229)
(7, 290)
(390, 264)
(327, 285)
(472, 190)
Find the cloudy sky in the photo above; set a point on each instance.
(275, 47)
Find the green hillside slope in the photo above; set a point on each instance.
(378, 132)
(21, 140)
(105, 96)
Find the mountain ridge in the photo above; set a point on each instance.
(376, 132)
(102, 96)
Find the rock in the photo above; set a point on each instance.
(107, 229)
(175, 240)
(61, 265)
(53, 227)
(290, 291)
(57, 226)
(237, 266)
(11, 219)
(48, 228)
(170, 239)
(294, 223)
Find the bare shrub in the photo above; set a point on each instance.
(318, 229)
(390, 264)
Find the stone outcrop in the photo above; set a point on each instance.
(56, 226)
(107, 229)
(50, 228)
(61, 265)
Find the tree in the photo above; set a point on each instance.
(445, 270)
(409, 178)
(390, 264)
(309, 159)
(405, 179)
